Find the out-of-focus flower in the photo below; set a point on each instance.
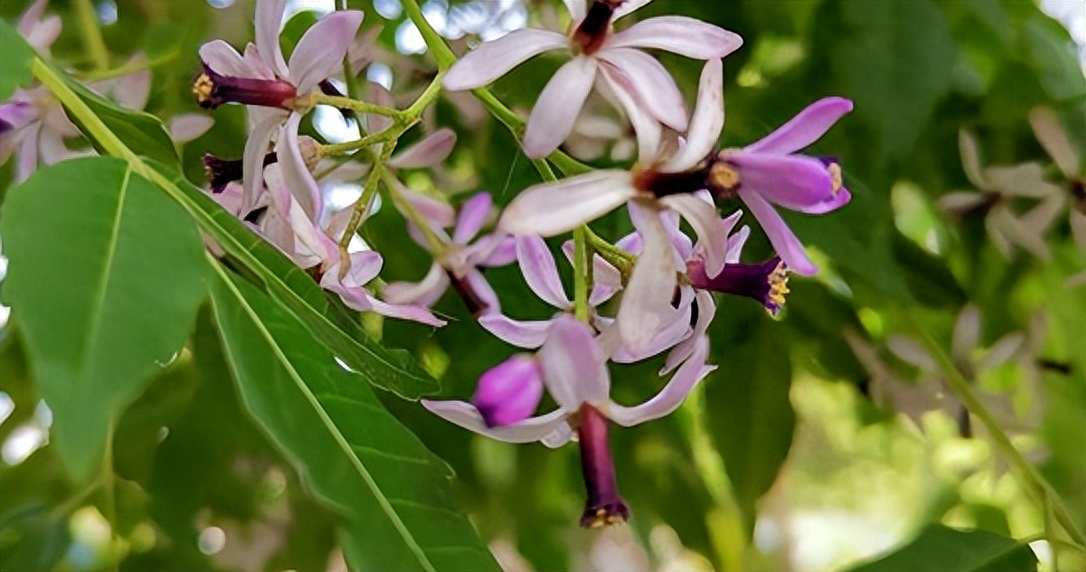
(1069, 160)
(771, 171)
(616, 56)
(40, 31)
(998, 187)
(597, 133)
(573, 367)
(274, 91)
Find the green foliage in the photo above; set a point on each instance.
(942, 549)
(15, 65)
(107, 274)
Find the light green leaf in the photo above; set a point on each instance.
(942, 549)
(106, 274)
(327, 319)
(752, 419)
(356, 457)
(15, 62)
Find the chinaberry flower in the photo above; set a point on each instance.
(1069, 159)
(771, 172)
(597, 51)
(573, 367)
(275, 91)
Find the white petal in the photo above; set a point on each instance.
(627, 7)
(540, 272)
(911, 352)
(967, 147)
(319, 54)
(672, 395)
(1047, 128)
(961, 201)
(553, 208)
(256, 147)
(707, 224)
(1001, 351)
(651, 84)
(268, 21)
(432, 150)
(966, 333)
(574, 366)
(424, 293)
(185, 128)
(706, 123)
(647, 301)
(521, 333)
(646, 127)
(224, 59)
(557, 107)
(465, 415)
(1026, 180)
(296, 174)
(495, 58)
(678, 34)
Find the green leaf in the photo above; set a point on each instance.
(942, 549)
(15, 63)
(355, 456)
(106, 274)
(1054, 59)
(140, 131)
(752, 419)
(897, 63)
(326, 318)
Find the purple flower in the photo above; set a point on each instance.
(770, 171)
(574, 370)
(597, 50)
(264, 82)
(510, 391)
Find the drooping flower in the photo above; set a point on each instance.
(573, 367)
(274, 92)
(771, 172)
(997, 187)
(597, 51)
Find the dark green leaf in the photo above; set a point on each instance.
(139, 131)
(751, 419)
(31, 538)
(106, 274)
(1054, 59)
(15, 62)
(942, 549)
(394, 370)
(393, 493)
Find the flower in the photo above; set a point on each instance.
(1046, 127)
(274, 91)
(998, 187)
(769, 171)
(573, 368)
(664, 179)
(597, 51)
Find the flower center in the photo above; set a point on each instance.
(660, 184)
(604, 506)
(835, 174)
(724, 177)
(589, 35)
(221, 172)
(213, 89)
(766, 282)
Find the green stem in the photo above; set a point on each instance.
(437, 246)
(444, 56)
(92, 34)
(129, 68)
(341, 102)
(614, 255)
(427, 96)
(1034, 483)
(391, 134)
(580, 274)
(362, 206)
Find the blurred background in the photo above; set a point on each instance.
(825, 437)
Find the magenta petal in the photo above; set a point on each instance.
(319, 54)
(794, 182)
(805, 128)
(539, 270)
(678, 34)
(509, 392)
(495, 58)
(558, 106)
(786, 244)
(473, 215)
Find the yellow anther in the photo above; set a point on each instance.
(202, 87)
(835, 174)
(778, 285)
(723, 176)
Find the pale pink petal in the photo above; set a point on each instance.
(1026, 180)
(966, 333)
(256, 64)
(805, 128)
(187, 127)
(574, 366)
(30, 18)
(676, 329)
(967, 147)
(424, 293)
(961, 201)
(498, 250)
(296, 174)
(707, 224)
(1003, 350)
(576, 9)
(473, 215)
(606, 279)
(650, 84)
(678, 34)
(406, 312)
(646, 127)
(556, 109)
(1012, 229)
(737, 241)
(521, 333)
(256, 146)
(628, 6)
(45, 33)
(684, 349)
(540, 272)
(706, 123)
(365, 266)
(495, 58)
(553, 208)
(910, 352)
(378, 95)
(268, 20)
(646, 304)
(224, 59)
(671, 396)
(1047, 128)
(438, 213)
(319, 54)
(465, 415)
(432, 150)
(476, 282)
(28, 153)
(784, 241)
(133, 90)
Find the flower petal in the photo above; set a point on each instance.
(628, 6)
(574, 367)
(967, 147)
(252, 165)
(794, 182)
(296, 174)
(224, 59)
(1025, 180)
(961, 201)
(557, 107)
(552, 208)
(465, 415)
(495, 58)
(684, 349)
(672, 395)
(319, 54)
(576, 9)
(786, 244)
(432, 150)
(189, 126)
(473, 215)
(646, 303)
(1047, 128)
(680, 35)
(705, 124)
(527, 334)
(650, 84)
(509, 392)
(646, 127)
(406, 312)
(268, 21)
(707, 224)
(540, 272)
(133, 90)
(805, 128)
(423, 293)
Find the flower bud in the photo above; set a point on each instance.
(509, 392)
